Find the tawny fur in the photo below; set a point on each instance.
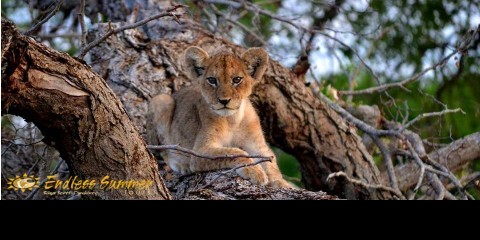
(196, 119)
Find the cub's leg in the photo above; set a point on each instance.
(254, 174)
(159, 119)
(254, 144)
(275, 178)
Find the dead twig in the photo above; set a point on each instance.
(238, 24)
(448, 174)
(387, 158)
(64, 35)
(81, 19)
(437, 186)
(431, 114)
(465, 181)
(112, 30)
(420, 164)
(357, 122)
(50, 15)
(193, 153)
(247, 165)
(400, 84)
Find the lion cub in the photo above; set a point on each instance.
(214, 116)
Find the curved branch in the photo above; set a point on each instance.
(77, 113)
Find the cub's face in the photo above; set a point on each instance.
(225, 79)
(225, 83)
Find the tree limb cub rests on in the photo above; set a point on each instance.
(214, 116)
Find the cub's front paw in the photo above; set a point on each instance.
(254, 174)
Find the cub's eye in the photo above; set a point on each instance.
(237, 80)
(212, 81)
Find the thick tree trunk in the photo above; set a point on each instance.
(78, 114)
(141, 63)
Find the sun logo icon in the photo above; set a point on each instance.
(23, 183)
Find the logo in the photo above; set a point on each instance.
(75, 185)
(23, 183)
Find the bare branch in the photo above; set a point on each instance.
(420, 164)
(449, 175)
(437, 186)
(64, 35)
(369, 69)
(112, 31)
(432, 114)
(50, 15)
(400, 84)
(193, 153)
(81, 18)
(388, 163)
(238, 24)
(465, 181)
(261, 160)
(357, 122)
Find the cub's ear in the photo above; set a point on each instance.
(195, 58)
(257, 62)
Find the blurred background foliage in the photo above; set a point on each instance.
(395, 38)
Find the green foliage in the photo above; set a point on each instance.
(289, 166)
(462, 94)
(6, 124)
(417, 27)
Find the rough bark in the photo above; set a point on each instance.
(78, 114)
(141, 63)
(219, 186)
(454, 156)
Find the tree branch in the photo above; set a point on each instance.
(388, 163)
(81, 18)
(50, 15)
(432, 114)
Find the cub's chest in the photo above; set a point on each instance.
(231, 136)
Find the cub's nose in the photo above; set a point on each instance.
(224, 101)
